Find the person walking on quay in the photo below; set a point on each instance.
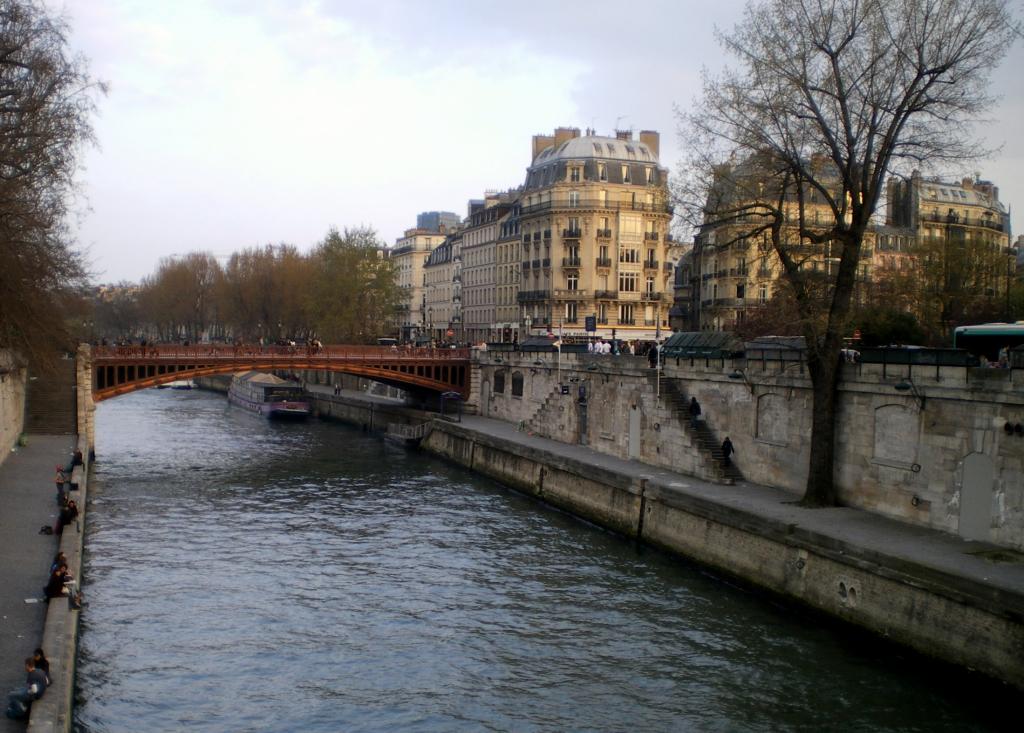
(694, 411)
(652, 356)
(727, 451)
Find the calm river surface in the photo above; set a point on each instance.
(250, 576)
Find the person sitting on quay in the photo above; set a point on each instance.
(68, 514)
(42, 663)
(55, 587)
(59, 559)
(19, 702)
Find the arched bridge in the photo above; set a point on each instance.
(117, 370)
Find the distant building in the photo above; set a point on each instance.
(481, 270)
(409, 254)
(951, 226)
(594, 219)
(735, 268)
(442, 291)
(438, 221)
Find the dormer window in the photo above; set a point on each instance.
(574, 174)
(597, 148)
(625, 174)
(649, 174)
(602, 172)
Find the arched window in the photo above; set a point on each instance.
(517, 384)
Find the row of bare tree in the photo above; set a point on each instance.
(47, 97)
(344, 291)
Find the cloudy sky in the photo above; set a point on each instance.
(234, 123)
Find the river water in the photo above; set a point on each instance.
(251, 576)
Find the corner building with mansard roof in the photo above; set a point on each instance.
(594, 231)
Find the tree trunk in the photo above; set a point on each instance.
(821, 489)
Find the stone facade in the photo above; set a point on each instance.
(946, 462)
(594, 220)
(409, 255)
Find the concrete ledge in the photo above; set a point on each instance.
(53, 713)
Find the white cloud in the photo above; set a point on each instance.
(238, 122)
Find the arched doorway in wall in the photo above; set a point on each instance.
(976, 497)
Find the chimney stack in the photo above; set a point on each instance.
(652, 140)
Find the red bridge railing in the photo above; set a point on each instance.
(120, 369)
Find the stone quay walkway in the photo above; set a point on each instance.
(27, 502)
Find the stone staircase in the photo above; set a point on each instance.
(51, 406)
(537, 423)
(700, 434)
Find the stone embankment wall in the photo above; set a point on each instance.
(53, 713)
(13, 381)
(945, 462)
(948, 617)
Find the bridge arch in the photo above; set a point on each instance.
(120, 370)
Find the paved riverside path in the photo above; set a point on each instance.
(911, 550)
(27, 501)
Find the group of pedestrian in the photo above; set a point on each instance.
(37, 679)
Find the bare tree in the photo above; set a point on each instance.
(46, 100)
(829, 98)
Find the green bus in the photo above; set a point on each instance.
(986, 339)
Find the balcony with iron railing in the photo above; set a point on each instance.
(536, 264)
(627, 321)
(657, 208)
(547, 234)
(731, 302)
(571, 233)
(604, 262)
(526, 264)
(606, 294)
(650, 321)
(651, 236)
(570, 294)
(964, 221)
(650, 297)
(570, 262)
(525, 296)
(546, 262)
(603, 233)
(650, 264)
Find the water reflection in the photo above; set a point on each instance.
(244, 575)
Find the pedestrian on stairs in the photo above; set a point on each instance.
(694, 411)
(727, 450)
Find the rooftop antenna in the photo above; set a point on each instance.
(620, 117)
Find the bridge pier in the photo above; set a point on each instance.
(86, 420)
